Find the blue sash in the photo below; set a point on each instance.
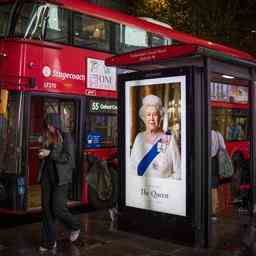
(147, 159)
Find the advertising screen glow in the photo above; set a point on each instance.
(156, 144)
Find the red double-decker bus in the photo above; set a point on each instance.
(52, 60)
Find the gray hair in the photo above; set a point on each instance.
(151, 101)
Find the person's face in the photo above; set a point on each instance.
(177, 126)
(152, 119)
(51, 128)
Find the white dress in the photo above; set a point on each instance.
(166, 164)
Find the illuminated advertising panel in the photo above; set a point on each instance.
(156, 144)
(100, 76)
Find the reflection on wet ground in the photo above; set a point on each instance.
(233, 219)
(100, 237)
(227, 233)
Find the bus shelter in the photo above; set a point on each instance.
(166, 175)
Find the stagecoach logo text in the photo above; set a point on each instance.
(47, 72)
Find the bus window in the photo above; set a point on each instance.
(50, 22)
(41, 107)
(5, 10)
(30, 20)
(57, 25)
(67, 112)
(130, 39)
(230, 98)
(232, 123)
(66, 109)
(101, 124)
(9, 133)
(159, 41)
(91, 32)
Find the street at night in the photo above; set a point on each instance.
(100, 237)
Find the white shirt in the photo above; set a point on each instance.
(166, 164)
(217, 142)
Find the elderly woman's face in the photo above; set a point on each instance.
(152, 118)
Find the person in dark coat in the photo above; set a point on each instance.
(55, 174)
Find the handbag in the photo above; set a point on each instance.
(225, 165)
(99, 178)
(104, 182)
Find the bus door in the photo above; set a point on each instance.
(39, 106)
(11, 181)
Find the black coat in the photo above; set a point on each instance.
(63, 156)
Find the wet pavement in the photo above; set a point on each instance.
(99, 237)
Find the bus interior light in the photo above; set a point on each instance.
(227, 77)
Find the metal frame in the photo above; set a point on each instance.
(201, 154)
(253, 138)
(145, 217)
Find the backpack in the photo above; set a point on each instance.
(225, 165)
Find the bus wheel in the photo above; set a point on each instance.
(238, 163)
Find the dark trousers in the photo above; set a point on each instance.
(215, 172)
(54, 206)
(115, 181)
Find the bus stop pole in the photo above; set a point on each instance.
(201, 120)
(253, 139)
